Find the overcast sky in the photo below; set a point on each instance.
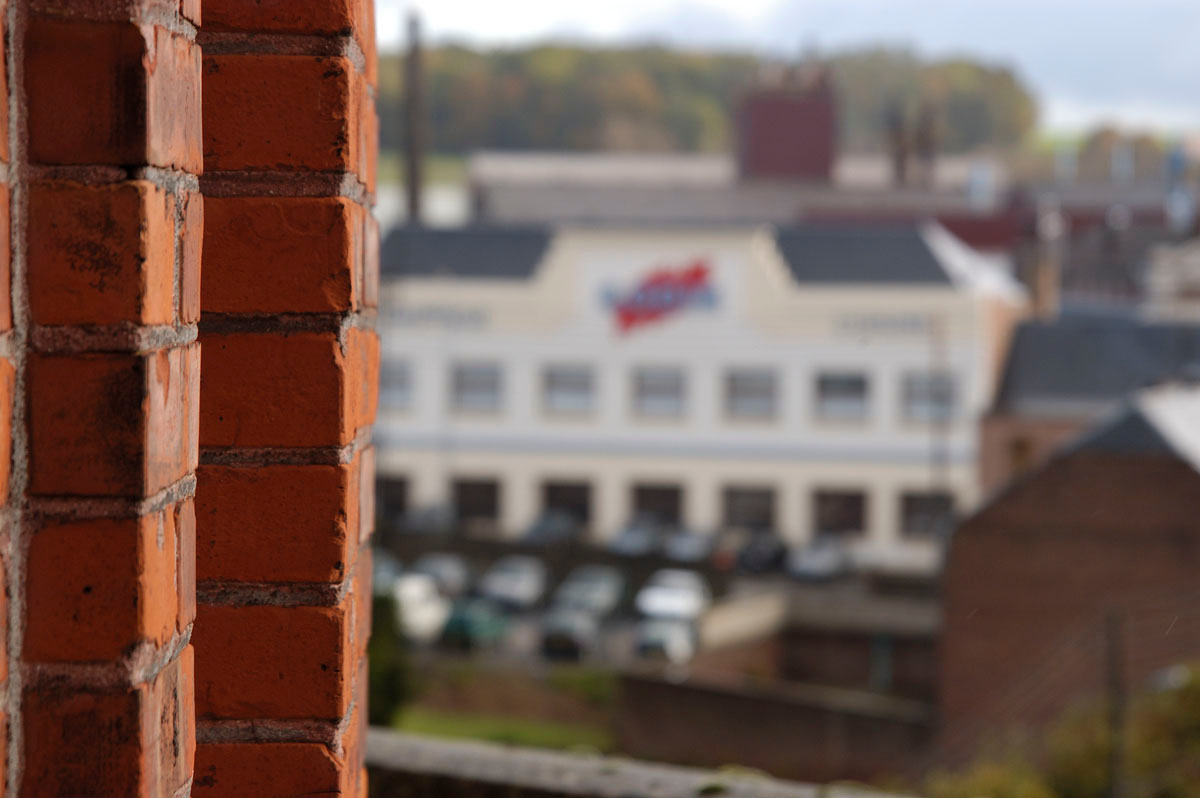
(1137, 63)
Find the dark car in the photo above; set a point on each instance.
(552, 528)
(762, 553)
(594, 589)
(569, 634)
(474, 624)
(640, 537)
(686, 546)
(429, 521)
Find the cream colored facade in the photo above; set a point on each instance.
(762, 318)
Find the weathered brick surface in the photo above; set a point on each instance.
(266, 770)
(1050, 556)
(277, 523)
(286, 112)
(98, 450)
(283, 254)
(273, 662)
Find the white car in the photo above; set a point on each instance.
(515, 582)
(674, 593)
(422, 608)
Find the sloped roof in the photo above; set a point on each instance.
(503, 253)
(856, 254)
(1085, 364)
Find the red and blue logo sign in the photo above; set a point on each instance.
(663, 293)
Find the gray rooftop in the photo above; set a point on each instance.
(1085, 365)
(857, 254)
(828, 254)
(506, 253)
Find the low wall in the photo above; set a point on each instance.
(412, 766)
(800, 732)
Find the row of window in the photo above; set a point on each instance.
(661, 392)
(834, 512)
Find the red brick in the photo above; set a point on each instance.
(132, 418)
(362, 379)
(368, 144)
(191, 244)
(7, 387)
(273, 390)
(280, 112)
(366, 494)
(4, 152)
(111, 93)
(190, 9)
(362, 602)
(277, 523)
(276, 254)
(185, 527)
(173, 105)
(272, 662)
(80, 743)
(95, 588)
(86, 90)
(265, 770)
(5, 256)
(133, 742)
(101, 254)
(282, 16)
(370, 271)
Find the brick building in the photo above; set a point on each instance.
(1041, 404)
(187, 372)
(1106, 528)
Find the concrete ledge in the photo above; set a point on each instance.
(412, 765)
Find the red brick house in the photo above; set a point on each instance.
(1106, 525)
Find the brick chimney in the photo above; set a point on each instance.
(788, 131)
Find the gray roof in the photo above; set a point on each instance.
(896, 254)
(507, 253)
(1129, 433)
(1085, 365)
(858, 254)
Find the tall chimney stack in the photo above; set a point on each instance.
(414, 117)
(1045, 280)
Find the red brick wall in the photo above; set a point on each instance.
(290, 366)
(100, 384)
(1088, 533)
(126, 475)
(788, 134)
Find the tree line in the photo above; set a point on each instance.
(559, 97)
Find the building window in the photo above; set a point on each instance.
(658, 392)
(842, 397)
(929, 397)
(663, 503)
(839, 512)
(477, 504)
(750, 508)
(395, 385)
(568, 389)
(926, 514)
(750, 394)
(476, 387)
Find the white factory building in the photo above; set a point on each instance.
(811, 381)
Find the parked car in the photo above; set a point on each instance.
(763, 552)
(671, 641)
(450, 571)
(682, 545)
(569, 634)
(433, 521)
(727, 545)
(514, 582)
(640, 537)
(595, 589)
(823, 559)
(422, 609)
(474, 623)
(385, 569)
(553, 527)
(674, 593)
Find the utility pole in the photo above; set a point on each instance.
(414, 117)
(1114, 667)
